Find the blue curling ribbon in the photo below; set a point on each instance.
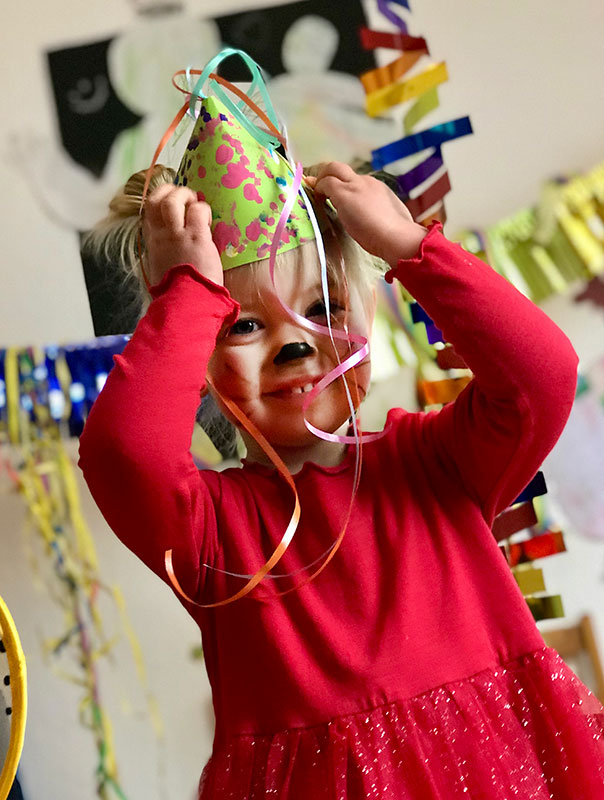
(535, 488)
(409, 180)
(386, 11)
(416, 142)
(258, 83)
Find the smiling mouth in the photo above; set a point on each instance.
(293, 391)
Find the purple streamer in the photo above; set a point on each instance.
(386, 11)
(421, 172)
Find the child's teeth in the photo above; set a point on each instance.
(297, 390)
(308, 387)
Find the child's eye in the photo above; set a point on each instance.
(243, 327)
(318, 309)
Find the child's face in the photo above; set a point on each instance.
(251, 367)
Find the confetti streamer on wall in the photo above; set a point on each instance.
(44, 396)
(424, 185)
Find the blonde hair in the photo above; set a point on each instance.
(117, 238)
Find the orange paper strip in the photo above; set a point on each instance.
(375, 79)
(433, 393)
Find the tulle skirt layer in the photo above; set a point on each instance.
(528, 729)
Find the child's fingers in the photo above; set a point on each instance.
(336, 169)
(152, 207)
(198, 217)
(174, 207)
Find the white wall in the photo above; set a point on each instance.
(530, 80)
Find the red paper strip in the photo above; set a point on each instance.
(542, 546)
(435, 192)
(447, 358)
(513, 520)
(393, 41)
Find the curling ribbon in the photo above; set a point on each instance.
(287, 536)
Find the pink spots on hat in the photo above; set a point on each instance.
(274, 206)
(224, 154)
(226, 235)
(270, 221)
(286, 235)
(254, 229)
(201, 196)
(237, 172)
(251, 193)
(201, 172)
(235, 143)
(209, 129)
(263, 166)
(263, 250)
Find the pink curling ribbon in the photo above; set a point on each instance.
(350, 362)
(344, 366)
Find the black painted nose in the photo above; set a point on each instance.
(292, 351)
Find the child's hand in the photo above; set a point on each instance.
(176, 230)
(369, 211)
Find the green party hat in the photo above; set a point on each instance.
(245, 183)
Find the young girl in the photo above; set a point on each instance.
(410, 668)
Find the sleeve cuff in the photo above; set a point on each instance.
(185, 272)
(434, 229)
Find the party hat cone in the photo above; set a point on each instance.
(245, 183)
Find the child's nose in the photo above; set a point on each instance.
(292, 351)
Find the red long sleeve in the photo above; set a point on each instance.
(135, 448)
(418, 594)
(499, 430)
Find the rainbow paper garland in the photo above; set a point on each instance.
(424, 186)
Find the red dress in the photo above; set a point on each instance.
(411, 668)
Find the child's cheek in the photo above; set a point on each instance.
(227, 369)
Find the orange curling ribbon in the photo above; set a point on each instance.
(287, 536)
(237, 91)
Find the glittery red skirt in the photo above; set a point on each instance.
(526, 730)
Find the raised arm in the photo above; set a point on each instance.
(499, 430)
(135, 448)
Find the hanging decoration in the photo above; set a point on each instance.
(44, 395)
(424, 185)
(441, 372)
(558, 243)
